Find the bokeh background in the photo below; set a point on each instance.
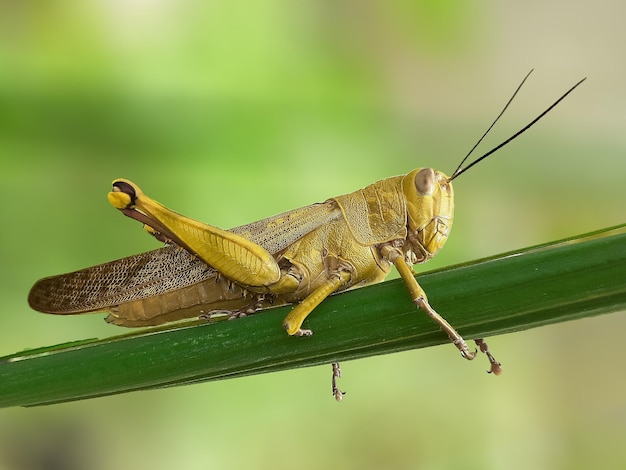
(231, 111)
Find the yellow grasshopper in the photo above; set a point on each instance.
(301, 256)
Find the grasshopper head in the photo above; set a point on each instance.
(430, 211)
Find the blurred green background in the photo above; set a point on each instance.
(231, 111)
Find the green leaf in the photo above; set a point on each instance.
(560, 281)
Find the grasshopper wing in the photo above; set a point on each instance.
(165, 270)
(136, 277)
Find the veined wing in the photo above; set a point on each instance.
(167, 269)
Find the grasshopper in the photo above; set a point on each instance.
(301, 256)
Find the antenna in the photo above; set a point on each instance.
(459, 171)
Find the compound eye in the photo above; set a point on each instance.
(425, 181)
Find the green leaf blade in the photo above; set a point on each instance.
(561, 281)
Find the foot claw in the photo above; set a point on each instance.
(469, 355)
(303, 332)
(465, 352)
(496, 367)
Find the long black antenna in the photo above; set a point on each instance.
(460, 171)
(519, 87)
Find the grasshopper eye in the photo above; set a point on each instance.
(425, 181)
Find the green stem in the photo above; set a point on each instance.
(556, 282)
